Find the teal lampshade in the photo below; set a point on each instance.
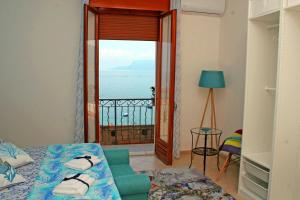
(212, 79)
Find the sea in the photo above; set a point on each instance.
(126, 84)
(130, 82)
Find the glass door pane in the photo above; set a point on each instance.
(91, 72)
(91, 77)
(165, 81)
(165, 77)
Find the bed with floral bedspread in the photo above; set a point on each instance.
(48, 170)
(29, 172)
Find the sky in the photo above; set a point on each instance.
(115, 53)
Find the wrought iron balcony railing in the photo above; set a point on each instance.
(127, 121)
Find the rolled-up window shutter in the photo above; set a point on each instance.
(128, 27)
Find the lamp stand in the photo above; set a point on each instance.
(213, 124)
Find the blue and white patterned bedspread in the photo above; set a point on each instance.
(53, 171)
(51, 174)
(29, 172)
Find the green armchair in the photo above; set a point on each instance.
(131, 186)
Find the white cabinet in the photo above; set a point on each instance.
(261, 7)
(259, 108)
(270, 161)
(256, 170)
(285, 172)
(293, 3)
(272, 5)
(259, 189)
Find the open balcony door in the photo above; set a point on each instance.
(165, 81)
(91, 76)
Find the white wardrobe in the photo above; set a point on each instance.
(270, 163)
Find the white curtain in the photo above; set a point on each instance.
(79, 119)
(175, 4)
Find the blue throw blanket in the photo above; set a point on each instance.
(53, 171)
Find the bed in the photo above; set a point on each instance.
(29, 172)
(48, 170)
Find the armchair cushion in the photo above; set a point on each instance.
(117, 156)
(232, 144)
(121, 170)
(133, 184)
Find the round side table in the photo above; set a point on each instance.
(205, 150)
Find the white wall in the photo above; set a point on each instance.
(233, 41)
(199, 50)
(210, 42)
(39, 42)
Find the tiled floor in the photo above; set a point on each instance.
(228, 181)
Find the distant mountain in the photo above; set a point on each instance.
(139, 65)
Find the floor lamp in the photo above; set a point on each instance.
(211, 80)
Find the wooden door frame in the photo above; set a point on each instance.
(97, 71)
(87, 9)
(158, 92)
(156, 5)
(164, 150)
(85, 73)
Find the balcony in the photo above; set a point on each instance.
(127, 121)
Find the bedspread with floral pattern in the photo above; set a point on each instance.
(29, 172)
(53, 171)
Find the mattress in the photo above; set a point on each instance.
(29, 172)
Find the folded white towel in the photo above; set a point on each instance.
(83, 162)
(76, 185)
